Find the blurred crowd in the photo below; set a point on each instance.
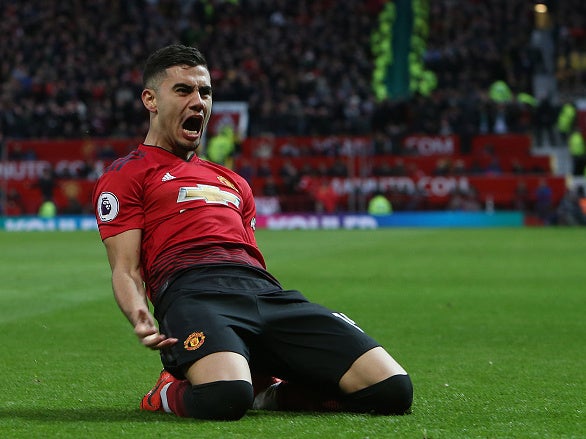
(73, 68)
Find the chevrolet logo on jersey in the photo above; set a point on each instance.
(210, 194)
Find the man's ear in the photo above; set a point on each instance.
(149, 99)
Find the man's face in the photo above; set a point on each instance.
(181, 106)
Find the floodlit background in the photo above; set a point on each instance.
(321, 105)
(467, 117)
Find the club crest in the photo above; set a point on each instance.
(194, 341)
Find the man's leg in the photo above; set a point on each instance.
(305, 341)
(218, 386)
(375, 383)
(370, 368)
(327, 361)
(221, 387)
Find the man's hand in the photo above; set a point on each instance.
(148, 334)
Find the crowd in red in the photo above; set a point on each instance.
(335, 174)
(71, 70)
(326, 174)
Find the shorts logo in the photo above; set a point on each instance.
(107, 207)
(194, 341)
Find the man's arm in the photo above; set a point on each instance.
(128, 286)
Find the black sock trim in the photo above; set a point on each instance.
(391, 396)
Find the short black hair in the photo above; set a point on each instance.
(169, 56)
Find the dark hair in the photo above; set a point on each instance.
(169, 56)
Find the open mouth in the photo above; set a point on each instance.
(192, 125)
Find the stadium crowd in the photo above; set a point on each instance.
(72, 69)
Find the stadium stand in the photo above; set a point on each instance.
(71, 70)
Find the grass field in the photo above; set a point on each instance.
(489, 323)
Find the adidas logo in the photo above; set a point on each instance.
(167, 177)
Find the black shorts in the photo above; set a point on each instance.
(279, 332)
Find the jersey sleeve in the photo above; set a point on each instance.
(117, 199)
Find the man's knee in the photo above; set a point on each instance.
(392, 396)
(219, 400)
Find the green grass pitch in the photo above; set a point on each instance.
(489, 323)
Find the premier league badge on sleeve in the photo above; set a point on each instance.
(107, 206)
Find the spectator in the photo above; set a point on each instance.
(521, 198)
(416, 200)
(265, 148)
(246, 170)
(326, 199)
(494, 166)
(577, 148)
(46, 183)
(517, 166)
(289, 149)
(338, 169)
(471, 202)
(290, 176)
(382, 169)
(442, 167)
(464, 200)
(459, 167)
(580, 193)
(14, 204)
(221, 147)
(107, 153)
(48, 209)
(73, 206)
(264, 169)
(17, 153)
(544, 202)
(565, 121)
(379, 205)
(569, 211)
(270, 187)
(545, 122)
(399, 169)
(456, 201)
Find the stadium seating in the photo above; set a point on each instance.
(84, 83)
(315, 162)
(516, 163)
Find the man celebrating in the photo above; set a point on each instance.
(179, 231)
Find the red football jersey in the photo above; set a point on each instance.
(190, 212)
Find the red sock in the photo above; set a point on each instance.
(175, 394)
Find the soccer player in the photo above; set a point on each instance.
(179, 231)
